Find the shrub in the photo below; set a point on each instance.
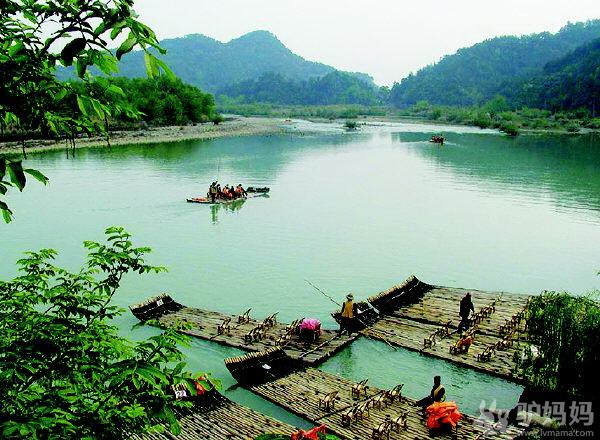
(509, 128)
(351, 125)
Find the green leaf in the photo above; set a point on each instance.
(6, 213)
(151, 65)
(168, 72)
(72, 49)
(2, 167)
(82, 105)
(15, 171)
(116, 90)
(81, 67)
(37, 175)
(127, 45)
(16, 48)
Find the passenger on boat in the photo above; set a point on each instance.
(347, 315)
(466, 306)
(241, 191)
(212, 192)
(438, 394)
(225, 192)
(232, 194)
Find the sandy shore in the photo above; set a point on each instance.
(236, 126)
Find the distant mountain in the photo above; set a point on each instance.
(333, 88)
(211, 64)
(475, 74)
(571, 82)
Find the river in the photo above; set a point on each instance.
(349, 211)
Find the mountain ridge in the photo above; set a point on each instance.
(211, 64)
(475, 74)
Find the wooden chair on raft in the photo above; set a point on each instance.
(244, 318)
(486, 354)
(380, 400)
(360, 388)
(383, 430)
(327, 401)
(271, 320)
(441, 332)
(395, 393)
(400, 422)
(224, 327)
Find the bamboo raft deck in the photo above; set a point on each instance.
(415, 321)
(204, 325)
(226, 421)
(299, 393)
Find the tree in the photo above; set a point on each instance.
(64, 370)
(36, 35)
(565, 329)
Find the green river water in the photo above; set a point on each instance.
(349, 211)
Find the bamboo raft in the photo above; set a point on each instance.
(424, 318)
(225, 421)
(304, 392)
(241, 331)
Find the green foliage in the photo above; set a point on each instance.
(238, 107)
(569, 83)
(573, 127)
(566, 331)
(64, 370)
(509, 128)
(157, 101)
(217, 119)
(36, 36)
(12, 175)
(351, 125)
(333, 88)
(475, 74)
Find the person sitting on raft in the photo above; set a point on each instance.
(438, 394)
(240, 191)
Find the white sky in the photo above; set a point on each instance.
(385, 38)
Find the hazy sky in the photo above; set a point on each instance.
(386, 38)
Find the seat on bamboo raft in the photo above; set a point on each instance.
(395, 393)
(244, 318)
(224, 327)
(360, 388)
(383, 430)
(327, 401)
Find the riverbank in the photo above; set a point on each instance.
(233, 127)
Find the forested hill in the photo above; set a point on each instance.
(571, 82)
(334, 88)
(475, 74)
(211, 65)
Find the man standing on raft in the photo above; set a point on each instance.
(348, 313)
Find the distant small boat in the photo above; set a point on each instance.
(437, 140)
(207, 201)
(252, 189)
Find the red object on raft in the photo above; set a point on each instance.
(441, 414)
(312, 434)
